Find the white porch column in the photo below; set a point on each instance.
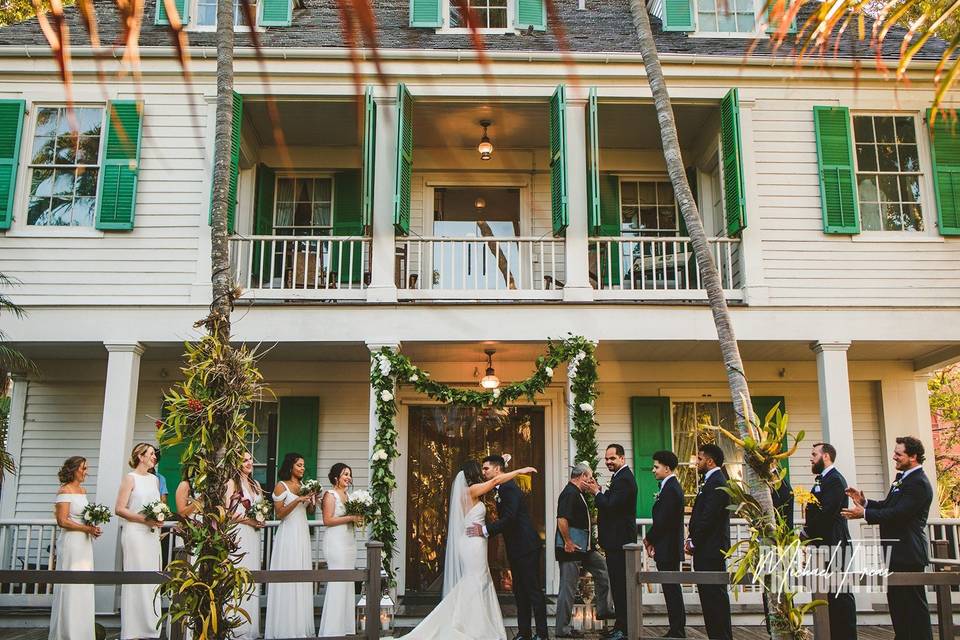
(836, 415)
(18, 407)
(906, 412)
(383, 287)
(116, 440)
(576, 249)
(374, 347)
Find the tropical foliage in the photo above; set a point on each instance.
(944, 394)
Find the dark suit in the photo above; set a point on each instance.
(666, 536)
(617, 521)
(783, 501)
(825, 527)
(902, 517)
(710, 536)
(523, 552)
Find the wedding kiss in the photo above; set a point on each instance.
(470, 609)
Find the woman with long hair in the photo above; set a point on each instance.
(72, 615)
(340, 551)
(140, 542)
(290, 605)
(242, 492)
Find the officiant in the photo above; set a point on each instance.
(576, 548)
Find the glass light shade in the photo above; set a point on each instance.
(485, 148)
(480, 203)
(490, 381)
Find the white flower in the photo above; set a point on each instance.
(584, 463)
(414, 378)
(386, 396)
(507, 458)
(548, 371)
(580, 356)
(379, 454)
(496, 393)
(260, 517)
(586, 407)
(160, 517)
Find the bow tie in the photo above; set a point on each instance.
(817, 478)
(899, 476)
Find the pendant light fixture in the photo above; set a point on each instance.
(485, 147)
(490, 380)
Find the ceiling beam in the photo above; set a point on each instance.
(937, 359)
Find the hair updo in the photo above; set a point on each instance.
(335, 472)
(68, 472)
(138, 451)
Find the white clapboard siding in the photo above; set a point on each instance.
(868, 438)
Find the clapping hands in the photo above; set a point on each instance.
(856, 510)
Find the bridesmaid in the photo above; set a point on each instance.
(340, 550)
(242, 492)
(72, 616)
(140, 542)
(187, 503)
(290, 605)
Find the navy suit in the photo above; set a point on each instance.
(666, 536)
(617, 521)
(710, 536)
(902, 517)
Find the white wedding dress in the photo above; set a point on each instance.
(469, 609)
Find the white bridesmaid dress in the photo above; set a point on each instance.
(340, 551)
(248, 539)
(139, 604)
(72, 615)
(290, 605)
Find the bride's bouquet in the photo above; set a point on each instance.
(158, 511)
(310, 486)
(259, 511)
(361, 504)
(96, 515)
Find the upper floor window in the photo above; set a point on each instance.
(489, 14)
(727, 16)
(888, 172)
(64, 167)
(648, 209)
(206, 13)
(304, 205)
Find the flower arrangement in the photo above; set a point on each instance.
(259, 511)
(96, 515)
(158, 511)
(804, 497)
(310, 486)
(361, 504)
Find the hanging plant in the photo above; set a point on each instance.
(389, 369)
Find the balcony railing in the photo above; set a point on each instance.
(309, 267)
(645, 268)
(480, 268)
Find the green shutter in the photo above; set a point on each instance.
(558, 160)
(169, 465)
(762, 406)
(651, 433)
(593, 161)
(263, 214)
(347, 221)
(531, 13)
(117, 190)
(732, 154)
(678, 15)
(772, 28)
(401, 196)
(609, 225)
(299, 422)
(945, 150)
(235, 138)
(369, 155)
(183, 8)
(11, 129)
(276, 13)
(838, 187)
(425, 13)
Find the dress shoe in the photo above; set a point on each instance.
(617, 635)
(539, 637)
(519, 636)
(572, 633)
(606, 632)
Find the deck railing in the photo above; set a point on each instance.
(310, 267)
(649, 268)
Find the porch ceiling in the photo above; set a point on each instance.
(634, 126)
(306, 123)
(457, 125)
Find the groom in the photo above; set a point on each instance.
(523, 549)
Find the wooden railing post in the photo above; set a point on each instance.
(941, 551)
(821, 618)
(176, 630)
(634, 592)
(374, 562)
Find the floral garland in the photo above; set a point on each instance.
(389, 369)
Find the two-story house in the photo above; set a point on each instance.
(451, 207)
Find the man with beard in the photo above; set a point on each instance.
(824, 526)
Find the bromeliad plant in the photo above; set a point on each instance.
(207, 413)
(765, 446)
(390, 369)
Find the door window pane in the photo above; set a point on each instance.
(690, 433)
(488, 14)
(726, 16)
(304, 206)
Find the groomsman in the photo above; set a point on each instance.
(709, 539)
(902, 517)
(617, 508)
(824, 526)
(664, 540)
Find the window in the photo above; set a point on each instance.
(262, 443)
(727, 16)
(64, 167)
(206, 13)
(648, 209)
(888, 173)
(490, 14)
(689, 435)
(304, 206)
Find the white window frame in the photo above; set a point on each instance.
(510, 28)
(759, 30)
(649, 179)
(194, 12)
(281, 175)
(19, 227)
(927, 197)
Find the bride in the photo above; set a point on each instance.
(469, 609)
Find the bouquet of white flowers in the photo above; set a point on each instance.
(361, 504)
(259, 511)
(310, 486)
(158, 511)
(96, 515)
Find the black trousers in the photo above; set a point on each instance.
(909, 612)
(843, 616)
(714, 599)
(528, 593)
(673, 596)
(617, 570)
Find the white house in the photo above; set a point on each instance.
(834, 214)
